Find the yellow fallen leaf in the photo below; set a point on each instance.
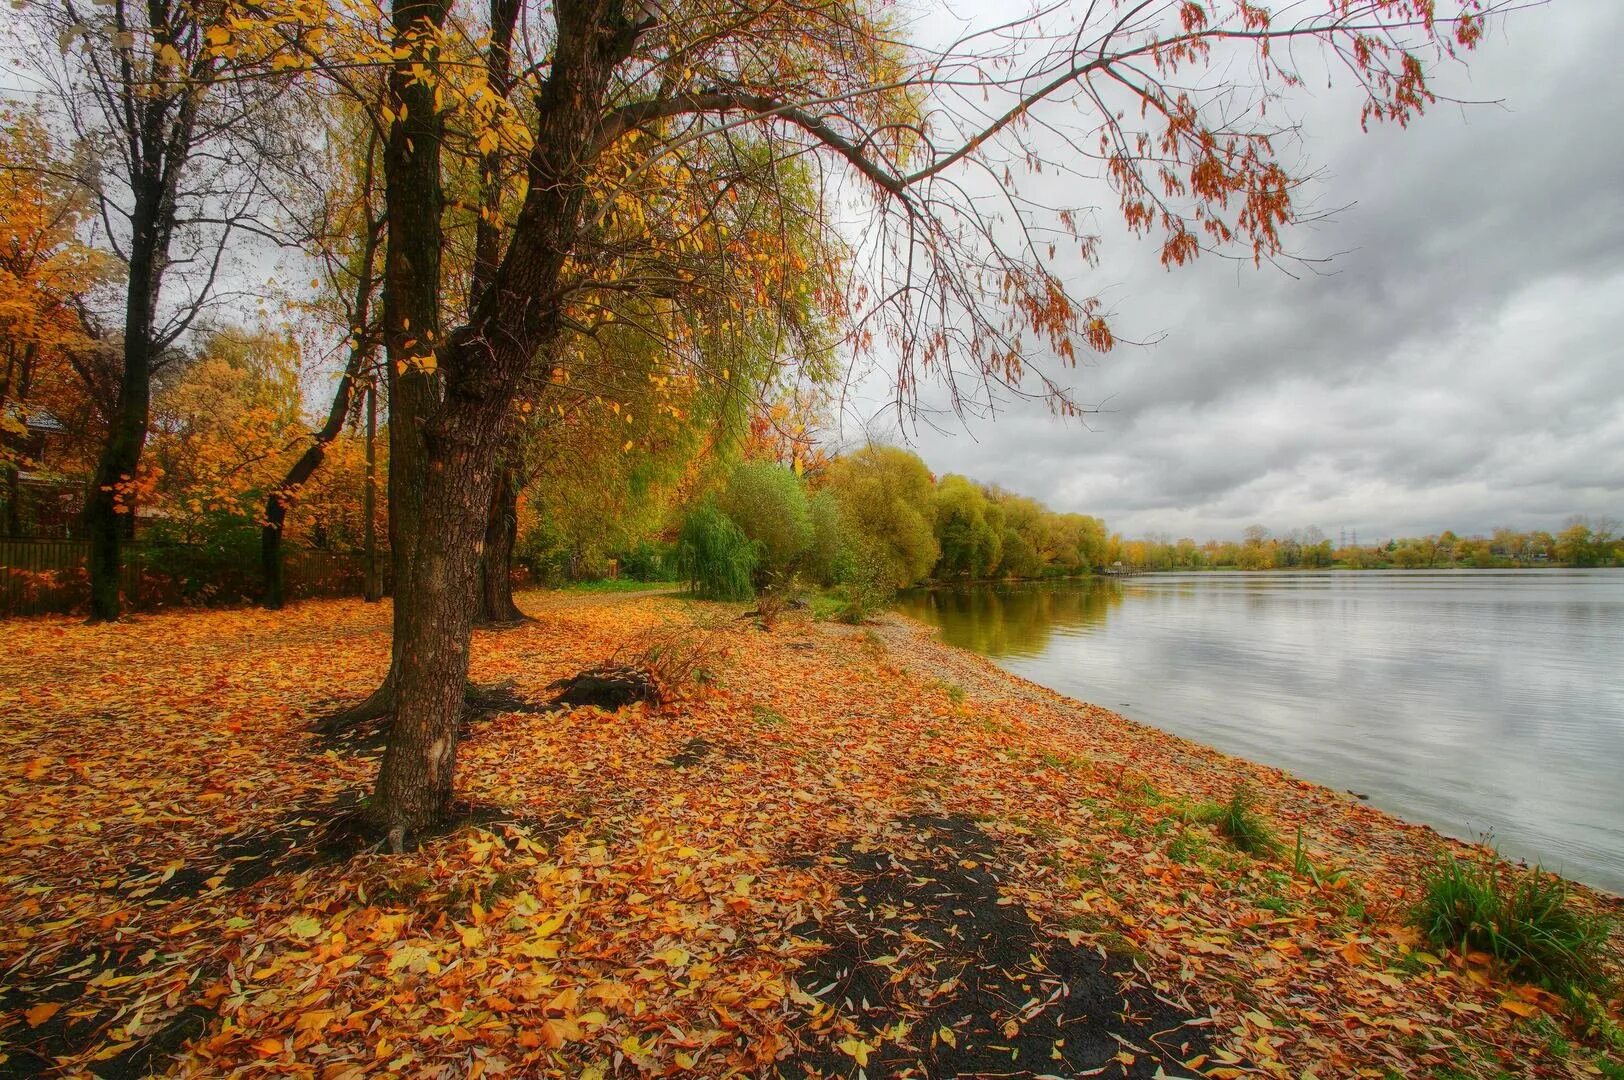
(858, 1049)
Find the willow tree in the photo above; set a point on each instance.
(1163, 101)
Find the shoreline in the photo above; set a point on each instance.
(847, 848)
(998, 672)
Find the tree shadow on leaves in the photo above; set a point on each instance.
(929, 971)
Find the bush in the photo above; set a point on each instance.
(648, 562)
(216, 561)
(862, 582)
(1526, 924)
(768, 503)
(715, 555)
(822, 557)
(774, 600)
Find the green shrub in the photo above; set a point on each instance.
(1523, 920)
(768, 503)
(821, 560)
(648, 562)
(863, 583)
(716, 556)
(215, 561)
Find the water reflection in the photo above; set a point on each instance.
(1475, 701)
(1013, 620)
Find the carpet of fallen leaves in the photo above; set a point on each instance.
(637, 891)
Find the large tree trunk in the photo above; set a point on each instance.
(496, 606)
(457, 437)
(415, 782)
(413, 204)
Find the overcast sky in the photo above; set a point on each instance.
(1460, 366)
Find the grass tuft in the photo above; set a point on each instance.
(1239, 822)
(1523, 920)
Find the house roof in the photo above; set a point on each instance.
(38, 419)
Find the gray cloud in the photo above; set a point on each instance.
(1461, 364)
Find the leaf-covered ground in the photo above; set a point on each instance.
(842, 850)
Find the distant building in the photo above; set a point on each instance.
(36, 499)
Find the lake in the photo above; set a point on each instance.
(1478, 702)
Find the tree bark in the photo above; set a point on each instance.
(372, 590)
(107, 516)
(496, 605)
(458, 435)
(415, 781)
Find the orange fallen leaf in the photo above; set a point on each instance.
(42, 1012)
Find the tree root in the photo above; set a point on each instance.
(479, 702)
(379, 704)
(511, 619)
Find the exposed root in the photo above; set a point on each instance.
(369, 734)
(511, 619)
(377, 705)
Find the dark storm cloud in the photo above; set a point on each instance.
(1458, 365)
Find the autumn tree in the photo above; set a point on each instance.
(171, 141)
(969, 529)
(885, 495)
(344, 233)
(223, 417)
(47, 274)
(957, 297)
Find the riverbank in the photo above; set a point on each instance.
(842, 848)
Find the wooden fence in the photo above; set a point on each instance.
(40, 576)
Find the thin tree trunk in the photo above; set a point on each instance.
(372, 590)
(282, 495)
(20, 372)
(14, 510)
(107, 514)
(276, 503)
(496, 605)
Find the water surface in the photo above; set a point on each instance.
(1478, 702)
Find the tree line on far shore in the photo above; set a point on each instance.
(1582, 542)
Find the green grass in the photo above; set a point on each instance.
(1523, 920)
(1187, 847)
(1239, 822)
(1305, 867)
(825, 605)
(616, 585)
